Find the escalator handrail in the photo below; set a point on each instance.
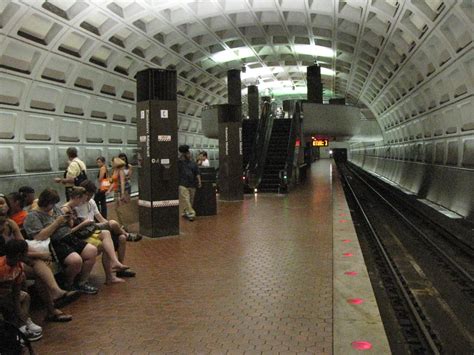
(255, 167)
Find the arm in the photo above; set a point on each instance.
(199, 180)
(15, 229)
(102, 173)
(100, 218)
(48, 231)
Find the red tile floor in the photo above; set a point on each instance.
(255, 279)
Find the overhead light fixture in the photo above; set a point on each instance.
(314, 50)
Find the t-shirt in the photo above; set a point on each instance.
(19, 217)
(9, 274)
(205, 163)
(188, 170)
(38, 220)
(74, 169)
(87, 210)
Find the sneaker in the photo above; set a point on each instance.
(35, 328)
(191, 218)
(87, 288)
(133, 237)
(30, 335)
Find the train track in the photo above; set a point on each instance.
(427, 272)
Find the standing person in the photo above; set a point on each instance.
(104, 184)
(189, 177)
(75, 172)
(127, 169)
(118, 182)
(204, 161)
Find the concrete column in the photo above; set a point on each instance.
(230, 141)
(315, 86)
(157, 129)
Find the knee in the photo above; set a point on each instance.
(104, 234)
(73, 260)
(122, 238)
(113, 224)
(89, 252)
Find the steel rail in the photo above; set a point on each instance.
(453, 262)
(397, 277)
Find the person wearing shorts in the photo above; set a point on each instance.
(76, 256)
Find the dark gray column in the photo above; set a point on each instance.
(252, 96)
(230, 152)
(315, 86)
(234, 87)
(157, 129)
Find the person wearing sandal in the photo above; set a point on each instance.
(36, 266)
(101, 239)
(89, 211)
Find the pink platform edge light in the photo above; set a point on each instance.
(361, 345)
(355, 301)
(347, 254)
(351, 273)
(347, 241)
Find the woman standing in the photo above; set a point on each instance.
(128, 173)
(104, 184)
(118, 182)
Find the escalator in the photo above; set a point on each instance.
(276, 158)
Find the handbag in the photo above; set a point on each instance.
(104, 184)
(85, 232)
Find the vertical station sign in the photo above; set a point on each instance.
(157, 129)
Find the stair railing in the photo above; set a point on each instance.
(286, 174)
(254, 171)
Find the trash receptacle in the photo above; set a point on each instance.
(205, 202)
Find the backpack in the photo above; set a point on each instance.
(79, 178)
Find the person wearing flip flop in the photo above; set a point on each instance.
(14, 302)
(89, 211)
(101, 239)
(36, 268)
(76, 257)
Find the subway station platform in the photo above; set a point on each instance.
(273, 274)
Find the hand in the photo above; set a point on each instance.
(65, 218)
(58, 180)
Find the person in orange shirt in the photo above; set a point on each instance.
(17, 203)
(15, 301)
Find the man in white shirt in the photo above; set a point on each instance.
(75, 172)
(90, 211)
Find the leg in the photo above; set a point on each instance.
(122, 247)
(22, 305)
(192, 193)
(43, 273)
(110, 277)
(73, 265)
(108, 247)
(88, 255)
(184, 202)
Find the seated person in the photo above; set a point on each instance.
(17, 213)
(89, 211)
(76, 256)
(99, 238)
(28, 195)
(14, 302)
